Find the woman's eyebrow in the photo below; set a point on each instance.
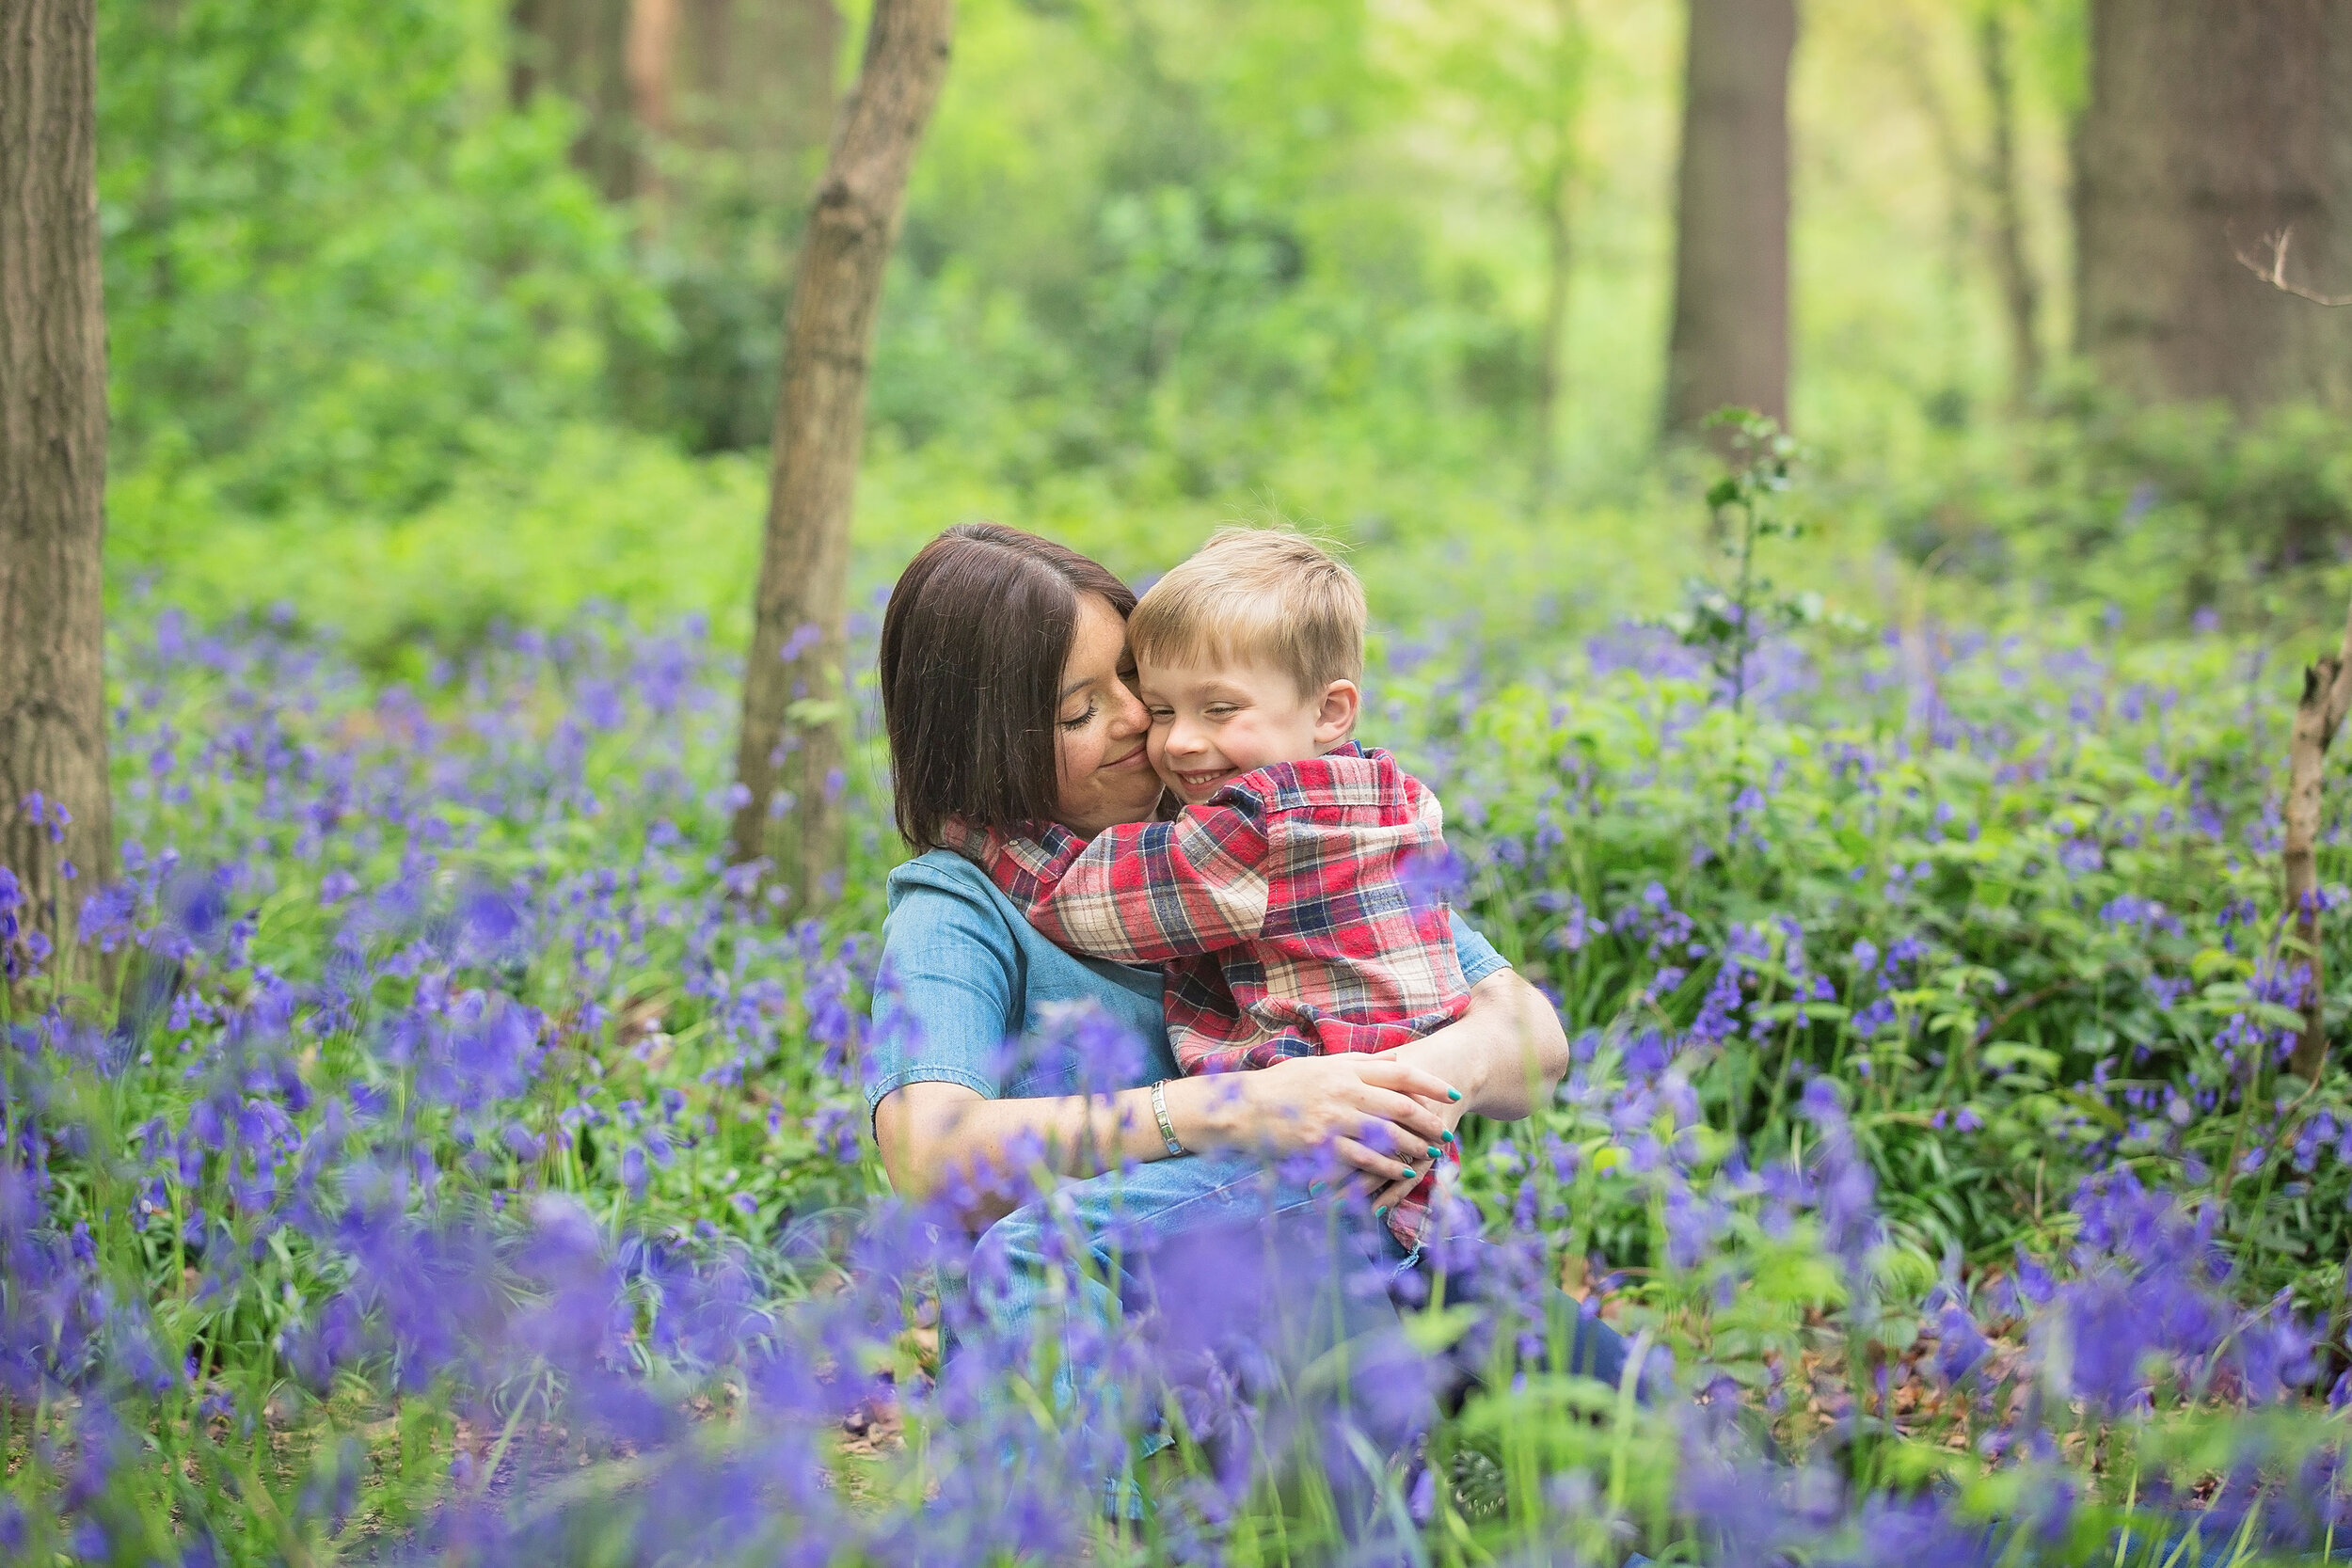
(1075, 686)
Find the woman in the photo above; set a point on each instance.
(1006, 688)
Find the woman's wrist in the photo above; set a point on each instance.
(1496, 1053)
(1203, 1112)
(1528, 1055)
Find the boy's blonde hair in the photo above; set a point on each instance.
(1257, 594)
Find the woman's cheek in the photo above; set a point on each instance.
(1075, 758)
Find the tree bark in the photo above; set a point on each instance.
(2327, 693)
(794, 708)
(53, 462)
(755, 79)
(2211, 126)
(579, 48)
(2021, 295)
(1554, 193)
(648, 58)
(1551, 362)
(1730, 341)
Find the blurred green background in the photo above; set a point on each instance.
(428, 314)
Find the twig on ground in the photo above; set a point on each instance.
(2274, 272)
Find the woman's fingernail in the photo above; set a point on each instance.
(1381, 1213)
(1448, 1138)
(1453, 1094)
(1436, 1153)
(1318, 1188)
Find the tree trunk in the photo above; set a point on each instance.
(523, 44)
(1730, 342)
(2327, 693)
(2210, 126)
(795, 707)
(755, 79)
(53, 463)
(1551, 362)
(2020, 293)
(579, 48)
(646, 59)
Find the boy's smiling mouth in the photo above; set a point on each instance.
(1196, 784)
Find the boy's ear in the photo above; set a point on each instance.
(1335, 721)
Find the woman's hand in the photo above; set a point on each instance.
(1379, 1114)
(1508, 1052)
(1387, 1194)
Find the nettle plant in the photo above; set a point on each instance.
(1728, 623)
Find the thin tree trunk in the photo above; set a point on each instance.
(1963, 174)
(1730, 341)
(647, 55)
(2020, 292)
(525, 36)
(580, 49)
(2077, 208)
(2327, 693)
(52, 461)
(2209, 126)
(156, 200)
(756, 78)
(1552, 363)
(795, 707)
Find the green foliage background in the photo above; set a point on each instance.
(383, 360)
(388, 371)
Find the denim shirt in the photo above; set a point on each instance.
(962, 973)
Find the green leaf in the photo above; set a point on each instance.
(2016, 1053)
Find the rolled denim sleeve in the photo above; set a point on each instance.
(948, 995)
(1477, 955)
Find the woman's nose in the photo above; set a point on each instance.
(1131, 718)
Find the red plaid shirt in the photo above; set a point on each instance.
(1279, 907)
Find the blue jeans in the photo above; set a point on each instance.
(1091, 1239)
(1225, 1268)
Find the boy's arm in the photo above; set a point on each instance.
(1143, 892)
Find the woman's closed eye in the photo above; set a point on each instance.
(1083, 719)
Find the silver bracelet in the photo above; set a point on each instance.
(1159, 1109)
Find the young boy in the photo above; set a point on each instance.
(1277, 896)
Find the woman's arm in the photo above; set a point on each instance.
(1506, 1054)
(1378, 1114)
(953, 991)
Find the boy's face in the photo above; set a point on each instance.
(1213, 722)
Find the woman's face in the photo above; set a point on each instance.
(1103, 775)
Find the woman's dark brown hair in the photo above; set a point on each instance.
(973, 646)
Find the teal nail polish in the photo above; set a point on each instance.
(1436, 1153)
(1453, 1094)
(1381, 1213)
(1449, 1138)
(1318, 1188)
